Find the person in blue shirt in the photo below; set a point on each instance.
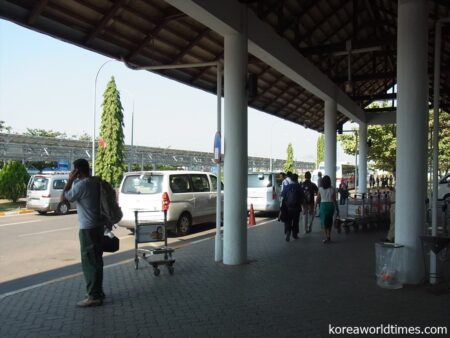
(292, 199)
(85, 190)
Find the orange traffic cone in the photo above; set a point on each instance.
(251, 216)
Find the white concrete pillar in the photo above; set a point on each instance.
(330, 140)
(412, 113)
(235, 168)
(362, 167)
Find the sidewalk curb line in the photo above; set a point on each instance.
(16, 212)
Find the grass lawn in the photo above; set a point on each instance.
(9, 206)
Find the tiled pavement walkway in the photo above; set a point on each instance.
(293, 289)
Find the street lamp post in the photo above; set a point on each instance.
(95, 116)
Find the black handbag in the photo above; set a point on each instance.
(283, 215)
(110, 244)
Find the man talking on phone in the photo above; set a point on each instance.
(84, 189)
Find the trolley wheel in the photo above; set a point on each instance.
(171, 269)
(136, 263)
(156, 271)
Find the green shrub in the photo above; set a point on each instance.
(13, 180)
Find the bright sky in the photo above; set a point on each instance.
(49, 84)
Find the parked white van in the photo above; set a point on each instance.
(190, 195)
(263, 191)
(44, 193)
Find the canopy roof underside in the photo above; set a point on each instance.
(151, 32)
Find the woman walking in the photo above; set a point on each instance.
(326, 199)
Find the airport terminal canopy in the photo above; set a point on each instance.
(352, 42)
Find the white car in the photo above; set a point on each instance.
(190, 197)
(444, 188)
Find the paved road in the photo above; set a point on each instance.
(36, 248)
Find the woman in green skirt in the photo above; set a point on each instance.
(326, 199)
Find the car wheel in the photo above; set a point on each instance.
(63, 208)
(184, 224)
(42, 212)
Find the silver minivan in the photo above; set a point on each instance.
(44, 193)
(263, 191)
(190, 196)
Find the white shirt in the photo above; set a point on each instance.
(326, 195)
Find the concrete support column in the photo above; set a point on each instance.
(362, 167)
(330, 140)
(235, 166)
(412, 113)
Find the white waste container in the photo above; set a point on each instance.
(388, 265)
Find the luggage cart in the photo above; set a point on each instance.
(146, 231)
(351, 213)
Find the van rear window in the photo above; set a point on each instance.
(147, 184)
(259, 180)
(39, 183)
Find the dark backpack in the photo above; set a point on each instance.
(293, 196)
(110, 212)
(309, 189)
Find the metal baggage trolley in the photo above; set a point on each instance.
(146, 231)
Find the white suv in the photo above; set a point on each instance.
(444, 188)
(190, 195)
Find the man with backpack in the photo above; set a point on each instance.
(292, 201)
(84, 189)
(309, 191)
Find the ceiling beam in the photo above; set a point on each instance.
(105, 20)
(154, 32)
(380, 110)
(318, 25)
(340, 48)
(377, 97)
(191, 44)
(37, 10)
(366, 77)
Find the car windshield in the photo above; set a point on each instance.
(259, 180)
(142, 184)
(39, 183)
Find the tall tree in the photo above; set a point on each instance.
(289, 164)
(320, 149)
(383, 145)
(13, 180)
(110, 163)
(444, 141)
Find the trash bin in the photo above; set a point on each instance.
(388, 265)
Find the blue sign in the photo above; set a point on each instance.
(217, 148)
(63, 165)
